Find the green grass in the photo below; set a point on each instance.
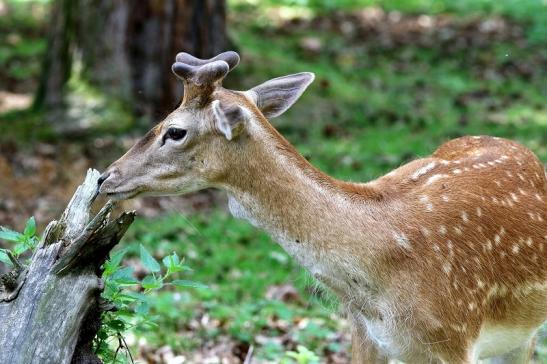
(531, 12)
(239, 263)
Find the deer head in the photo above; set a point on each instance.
(206, 137)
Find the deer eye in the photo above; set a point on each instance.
(174, 133)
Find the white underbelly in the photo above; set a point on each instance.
(495, 340)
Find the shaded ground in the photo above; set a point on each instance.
(390, 86)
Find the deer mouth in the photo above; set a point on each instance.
(123, 195)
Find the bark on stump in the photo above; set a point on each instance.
(50, 311)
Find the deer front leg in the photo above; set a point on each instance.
(363, 349)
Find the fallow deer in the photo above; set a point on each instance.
(442, 260)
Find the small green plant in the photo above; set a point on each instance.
(302, 355)
(25, 241)
(130, 299)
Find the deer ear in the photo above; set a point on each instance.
(228, 120)
(275, 96)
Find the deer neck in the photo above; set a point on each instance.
(315, 218)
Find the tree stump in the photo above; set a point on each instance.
(50, 311)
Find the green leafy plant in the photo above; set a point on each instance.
(25, 241)
(129, 299)
(302, 355)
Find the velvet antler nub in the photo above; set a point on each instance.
(201, 76)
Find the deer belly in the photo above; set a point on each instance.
(495, 340)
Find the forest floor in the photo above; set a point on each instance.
(391, 86)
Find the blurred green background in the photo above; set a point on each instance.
(80, 81)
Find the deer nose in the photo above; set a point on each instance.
(103, 178)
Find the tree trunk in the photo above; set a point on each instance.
(50, 311)
(57, 63)
(126, 49)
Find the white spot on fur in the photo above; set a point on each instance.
(459, 328)
(465, 217)
(425, 200)
(402, 240)
(434, 178)
(442, 229)
(421, 171)
(457, 171)
(447, 268)
(471, 306)
(497, 239)
(479, 212)
(515, 249)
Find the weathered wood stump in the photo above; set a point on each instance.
(50, 311)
